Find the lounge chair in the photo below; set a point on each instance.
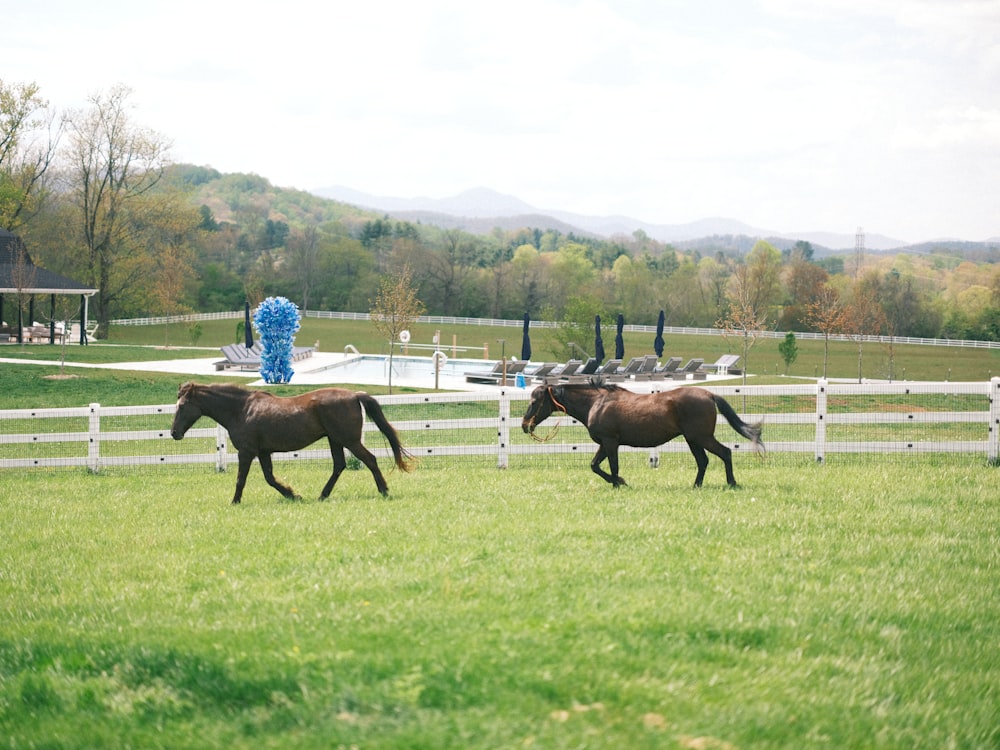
(563, 373)
(238, 355)
(647, 367)
(624, 373)
(609, 368)
(495, 376)
(540, 372)
(601, 373)
(723, 364)
(480, 376)
(690, 369)
(662, 373)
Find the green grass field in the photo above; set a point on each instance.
(536, 607)
(854, 604)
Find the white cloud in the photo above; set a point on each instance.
(785, 113)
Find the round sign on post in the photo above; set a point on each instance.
(404, 336)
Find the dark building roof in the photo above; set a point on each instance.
(45, 281)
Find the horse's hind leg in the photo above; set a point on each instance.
(339, 463)
(714, 446)
(268, 468)
(368, 459)
(700, 458)
(612, 455)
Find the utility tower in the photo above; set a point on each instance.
(859, 251)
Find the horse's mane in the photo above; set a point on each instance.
(598, 384)
(223, 389)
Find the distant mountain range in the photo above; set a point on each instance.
(480, 210)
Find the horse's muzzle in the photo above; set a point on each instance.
(528, 425)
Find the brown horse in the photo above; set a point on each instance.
(615, 416)
(260, 423)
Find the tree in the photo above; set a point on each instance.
(29, 135)
(395, 308)
(115, 166)
(171, 275)
(23, 275)
(762, 284)
(803, 280)
(789, 350)
(749, 297)
(863, 317)
(826, 314)
(302, 250)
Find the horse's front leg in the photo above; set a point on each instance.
(246, 459)
(612, 456)
(268, 469)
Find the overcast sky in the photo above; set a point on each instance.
(791, 115)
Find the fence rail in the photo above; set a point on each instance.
(820, 419)
(501, 322)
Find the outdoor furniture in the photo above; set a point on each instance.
(601, 373)
(539, 373)
(662, 373)
(646, 368)
(479, 376)
(588, 369)
(495, 376)
(722, 365)
(564, 372)
(238, 355)
(624, 373)
(690, 369)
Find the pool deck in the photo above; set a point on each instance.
(321, 370)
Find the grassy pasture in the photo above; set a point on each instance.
(849, 605)
(846, 606)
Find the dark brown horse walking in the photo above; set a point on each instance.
(615, 416)
(260, 423)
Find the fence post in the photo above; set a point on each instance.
(821, 386)
(221, 447)
(94, 447)
(993, 446)
(503, 429)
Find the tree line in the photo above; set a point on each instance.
(96, 197)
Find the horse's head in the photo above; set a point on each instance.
(542, 405)
(186, 413)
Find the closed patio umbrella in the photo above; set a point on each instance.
(525, 340)
(247, 328)
(658, 341)
(619, 340)
(598, 341)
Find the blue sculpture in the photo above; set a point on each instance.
(276, 320)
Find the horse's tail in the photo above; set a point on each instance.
(750, 431)
(404, 460)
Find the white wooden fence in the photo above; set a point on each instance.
(98, 436)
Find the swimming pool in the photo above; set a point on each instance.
(373, 368)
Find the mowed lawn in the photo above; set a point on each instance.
(855, 604)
